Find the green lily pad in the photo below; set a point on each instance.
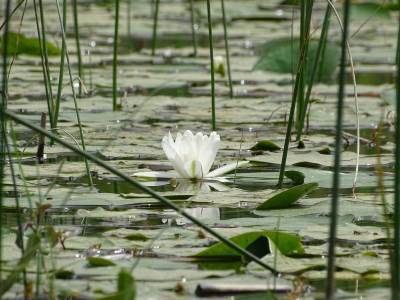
(275, 56)
(288, 197)
(296, 176)
(20, 44)
(257, 243)
(95, 261)
(265, 145)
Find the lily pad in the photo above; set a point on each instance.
(265, 145)
(20, 44)
(275, 56)
(288, 197)
(256, 243)
(95, 261)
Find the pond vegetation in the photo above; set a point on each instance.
(184, 149)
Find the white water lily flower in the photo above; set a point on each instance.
(192, 156)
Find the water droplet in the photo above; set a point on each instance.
(92, 44)
(279, 12)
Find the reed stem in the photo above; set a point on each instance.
(296, 90)
(330, 280)
(210, 42)
(395, 278)
(61, 73)
(316, 66)
(115, 57)
(192, 21)
(78, 44)
(228, 63)
(73, 93)
(155, 25)
(47, 83)
(3, 107)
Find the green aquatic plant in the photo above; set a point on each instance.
(133, 182)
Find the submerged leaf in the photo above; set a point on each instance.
(363, 12)
(281, 56)
(288, 197)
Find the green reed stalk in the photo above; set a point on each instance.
(3, 107)
(61, 73)
(194, 37)
(228, 63)
(316, 65)
(129, 16)
(143, 188)
(296, 90)
(20, 231)
(155, 25)
(396, 217)
(73, 93)
(78, 44)
(46, 78)
(210, 42)
(300, 96)
(330, 280)
(12, 13)
(115, 56)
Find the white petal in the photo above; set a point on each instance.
(209, 151)
(225, 169)
(153, 174)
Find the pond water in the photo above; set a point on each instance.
(170, 92)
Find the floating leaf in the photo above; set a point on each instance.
(136, 237)
(64, 274)
(265, 145)
(96, 261)
(296, 176)
(256, 243)
(276, 56)
(288, 197)
(20, 44)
